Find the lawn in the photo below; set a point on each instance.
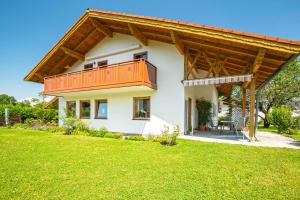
(272, 129)
(41, 165)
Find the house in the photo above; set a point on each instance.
(136, 74)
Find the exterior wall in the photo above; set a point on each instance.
(167, 102)
(209, 93)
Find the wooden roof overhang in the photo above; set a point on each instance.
(202, 45)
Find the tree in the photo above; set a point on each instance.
(5, 99)
(284, 89)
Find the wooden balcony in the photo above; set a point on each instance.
(125, 74)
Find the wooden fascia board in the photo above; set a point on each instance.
(251, 41)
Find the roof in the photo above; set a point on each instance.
(239, 48)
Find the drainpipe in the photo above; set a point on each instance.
(263, 85)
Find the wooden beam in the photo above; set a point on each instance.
(193, 64)
(138, 34)
(178, 43)
(73, 53)
(258, 60)
(101, 28)
(252, 107)
(244, 102)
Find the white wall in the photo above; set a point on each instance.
(167, 102)
(208, 92)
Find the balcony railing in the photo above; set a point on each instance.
(131, 73)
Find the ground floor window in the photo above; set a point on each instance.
(71, 108)
(85, 109)
(101, 109)
(141, 108)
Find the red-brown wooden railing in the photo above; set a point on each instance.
(131, 73)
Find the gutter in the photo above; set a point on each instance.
(263, 85)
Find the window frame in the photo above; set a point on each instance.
(134, 111)
(102, 61)
(80, 109)
(140, 53)
(88, 64)
(67, 108)
(97, 108)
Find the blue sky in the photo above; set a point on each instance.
(28, 29)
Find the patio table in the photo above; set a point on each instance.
(226, 123)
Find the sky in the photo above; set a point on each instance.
(28, 29)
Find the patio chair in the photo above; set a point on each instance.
(213, 124)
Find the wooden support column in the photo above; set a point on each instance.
(252, 107)
(244, 103)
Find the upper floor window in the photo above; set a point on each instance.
(102, 63)
(141, 108)
(101, 109)
(71, 108)
(85, 109)
(143, 55)
(88, 66)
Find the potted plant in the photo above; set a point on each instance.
(204, 113)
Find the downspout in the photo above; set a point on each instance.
(263, 85)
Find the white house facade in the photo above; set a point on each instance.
(167, 102)
(137, 74)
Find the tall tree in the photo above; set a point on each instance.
(5, 99)
(284, 89)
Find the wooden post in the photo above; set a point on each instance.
(244, 103)
(252, 107)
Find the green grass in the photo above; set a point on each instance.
(272, 129)
(40, 165)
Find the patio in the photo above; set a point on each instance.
(264, 139)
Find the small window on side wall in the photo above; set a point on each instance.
(102, 63)
(71, 109)
(101, 109)
(143, 55)
(141, 108)
(88, 66)
(85, 109)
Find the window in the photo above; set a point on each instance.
(143, 55)
(141, 107)
(88, 66)
(102, 63)
(101, 109)
(85, 109)
(71, 108)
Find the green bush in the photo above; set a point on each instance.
(136, 138)
(73, 125)
(168, 138)
(296, 123)
(113, 135)
(281, 118)
(98, 133)
(20, 126)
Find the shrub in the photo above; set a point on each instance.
(136, 138)
(168, 138)
(296, 123)
(79, 131)
(72, 123)
(20, 126)
(113, 135)
(98, 133)
(281, 118)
